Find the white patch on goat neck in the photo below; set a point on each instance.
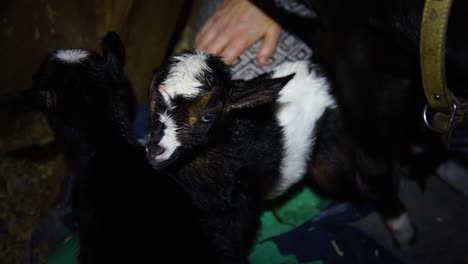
(169, 141)
(71, 55)
(300, 105)
(182, 77)
(402, 229)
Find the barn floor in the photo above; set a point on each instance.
(441, 216)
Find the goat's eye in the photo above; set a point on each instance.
(207, 118)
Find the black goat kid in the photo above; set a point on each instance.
(126, 212)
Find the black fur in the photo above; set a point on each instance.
(249, 147)
(126, 212)
(338, 169)
(370, 50)
(226, 164)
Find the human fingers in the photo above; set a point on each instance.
(219, 42)
(268, 47)
(234, 49)
(218, 30)
(217, 23)
(205, 27)
(206, 35)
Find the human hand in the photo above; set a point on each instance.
(234, 27)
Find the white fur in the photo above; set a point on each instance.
(182, 78)
(169, 141)
(71, 55)
(301, 103)
(402, 229)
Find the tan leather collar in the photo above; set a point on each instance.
(432, 58)
(432, 54)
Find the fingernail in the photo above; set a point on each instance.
(227, 61)
(227, 58)
(262, 60)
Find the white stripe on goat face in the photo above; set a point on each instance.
(182, 78)
(71, 55)
(169, 140)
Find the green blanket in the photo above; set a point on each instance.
(300, 208)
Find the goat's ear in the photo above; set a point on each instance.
(257, 91)
(114, 53)
(26, 101)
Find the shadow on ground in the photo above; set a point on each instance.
(441, 216)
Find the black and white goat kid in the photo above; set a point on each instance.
(234, 142)
(255, 139)
(126, 212)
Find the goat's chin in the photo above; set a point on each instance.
(159, 165)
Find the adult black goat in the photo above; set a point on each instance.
(126, 212)
(370, 51)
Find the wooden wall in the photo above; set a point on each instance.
(29, 29)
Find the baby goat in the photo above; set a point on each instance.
(225, 142)
(126, 212)
(249, 140)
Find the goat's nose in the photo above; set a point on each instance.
(158, 150)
